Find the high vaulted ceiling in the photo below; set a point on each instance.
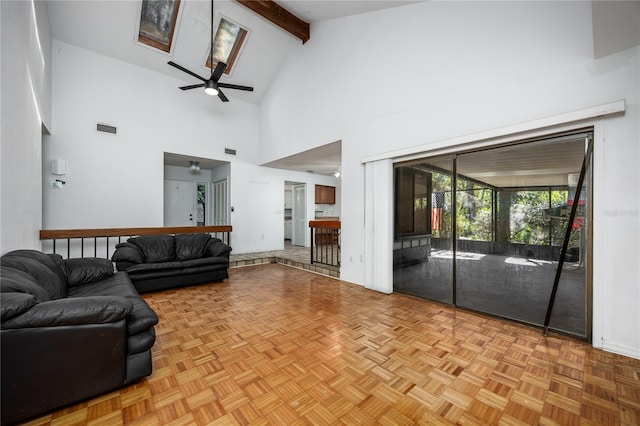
(109, 27)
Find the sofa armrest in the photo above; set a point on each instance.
(87, 270)
(127, 255)
(216, 247)
(73, 311)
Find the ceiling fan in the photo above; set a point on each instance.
(211, 85)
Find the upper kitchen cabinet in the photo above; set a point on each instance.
(325, 194)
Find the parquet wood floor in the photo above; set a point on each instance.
(281, 346)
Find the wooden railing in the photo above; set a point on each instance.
(103, 241)
(325, 242)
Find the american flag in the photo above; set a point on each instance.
(437, 204)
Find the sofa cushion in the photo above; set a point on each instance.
(38, 268)
(156, 248)
(16, 281)
(206, 261)
(87, 270)
(72, 311)
(118, 284)
(14, 304)
(52, 261)
(191, 246)
(57, 265)
(147, 267)
(142, 316)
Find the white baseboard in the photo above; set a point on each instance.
(621, 349)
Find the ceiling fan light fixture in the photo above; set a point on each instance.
(211, 88)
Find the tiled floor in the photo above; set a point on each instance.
(294, 256)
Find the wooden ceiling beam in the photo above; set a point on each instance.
(280, 16)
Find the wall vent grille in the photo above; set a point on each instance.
(230, 151)
(105, 128)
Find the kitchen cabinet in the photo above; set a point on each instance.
(325, 194)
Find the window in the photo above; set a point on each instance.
(227, 43)
(158, 23)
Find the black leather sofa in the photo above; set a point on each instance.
(159, 262)
(71, 329)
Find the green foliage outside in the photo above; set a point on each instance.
(528, 221)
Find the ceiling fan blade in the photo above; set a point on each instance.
(193, 86)
(235, 86)
(183, 69)
(222, 97)
(215, 75)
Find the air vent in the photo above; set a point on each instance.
(230, 151)
(105, 128)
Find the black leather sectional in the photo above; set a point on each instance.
(71, 329)
(159, 262)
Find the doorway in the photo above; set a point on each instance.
(484, 231)
(299, 214)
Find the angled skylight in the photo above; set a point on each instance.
(227, 43)
(158, 23)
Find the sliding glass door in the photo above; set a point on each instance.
(495, 221)
(423, 242)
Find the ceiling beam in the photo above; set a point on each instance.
(280, 16)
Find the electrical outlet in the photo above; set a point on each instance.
(351, 259)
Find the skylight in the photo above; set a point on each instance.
(226, 44)
(158, 23)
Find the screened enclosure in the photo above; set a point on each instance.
(485, 231)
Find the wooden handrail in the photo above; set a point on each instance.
(50, 234)
(324, 224)
(325, 241)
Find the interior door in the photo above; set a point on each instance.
(179, 202)
(221, 202)
(299, 214)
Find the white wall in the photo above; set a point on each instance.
(25, 107)
(184, 173)
(257, 198)
(446, 69)
(117, 180)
